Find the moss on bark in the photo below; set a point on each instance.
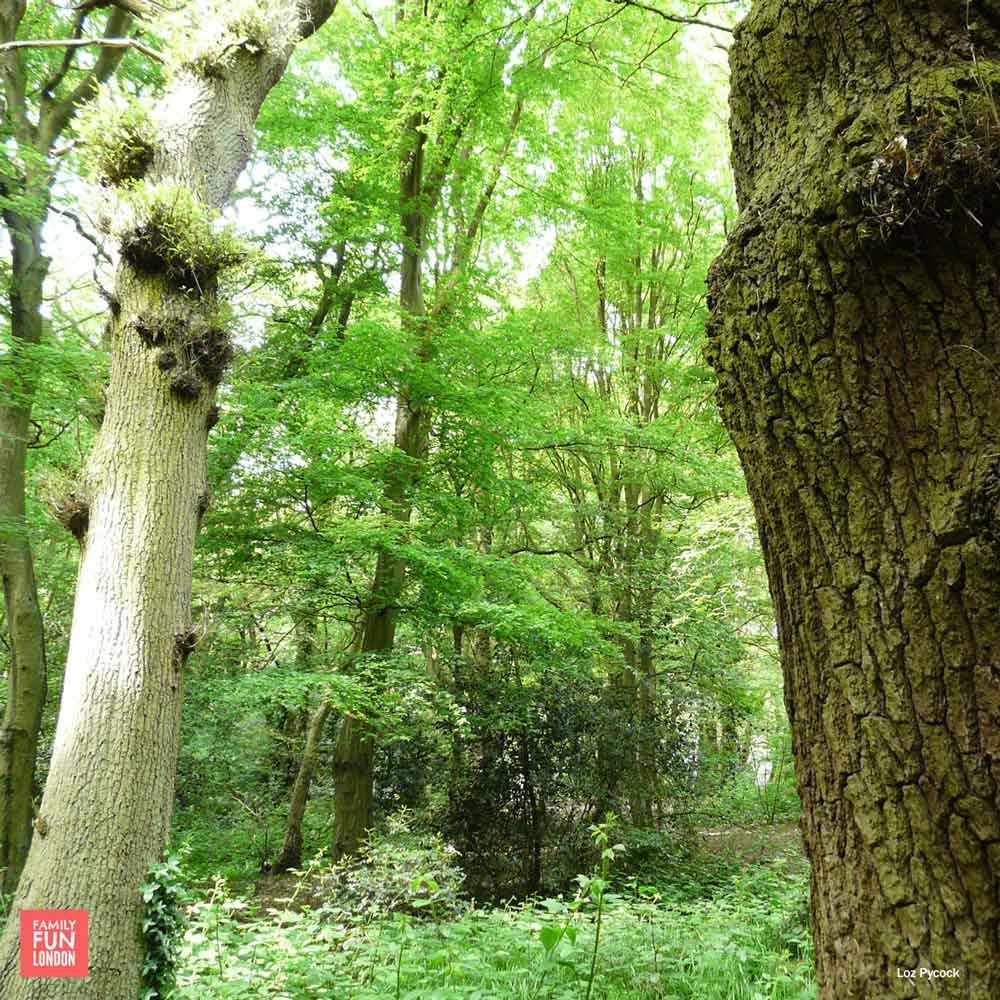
(853, 330)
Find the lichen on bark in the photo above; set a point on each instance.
(853, 327)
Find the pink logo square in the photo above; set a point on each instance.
(54, 943)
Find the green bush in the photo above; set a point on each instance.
(163, 894)
(404, 872)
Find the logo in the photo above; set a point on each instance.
(54, 943)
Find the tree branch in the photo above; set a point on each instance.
(140, 8)
(675, 18)
(60, 74)
(56, 114)
(313, 15)
(89, 237)
(79, 43)
(12, 71)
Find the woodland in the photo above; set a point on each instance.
(501, 500)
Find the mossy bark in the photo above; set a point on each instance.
(854, 326)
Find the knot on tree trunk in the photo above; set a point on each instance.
(73, 513)
(204, 356)
(174, 236)
(184, 646)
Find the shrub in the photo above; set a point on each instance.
(163, 894)
(403, 872)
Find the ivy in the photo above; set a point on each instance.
(163, 924)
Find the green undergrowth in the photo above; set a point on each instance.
(747, 940)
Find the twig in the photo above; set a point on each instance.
(89, 237)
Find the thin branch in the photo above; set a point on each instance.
(60, 74)
(89, 237)
(78, 43)
(37, 441)
(674, 18)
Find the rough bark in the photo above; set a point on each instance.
(107, 802)
(854, 331)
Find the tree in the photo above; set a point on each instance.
(854, 319)
(37, 107)
(437, 133)
(105, 814)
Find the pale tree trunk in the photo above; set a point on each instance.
(106, 808)
(37, 124)
(854, 331)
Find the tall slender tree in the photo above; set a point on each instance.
(429, 156)
(106, 809)
(854, 332)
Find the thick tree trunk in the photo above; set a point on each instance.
(27, 680)
(854, 328)
(290, 855)
(106, 808)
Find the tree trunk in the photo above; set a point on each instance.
(418, 200)
(36, 122)
(643, 796)
(290, 855)
(355, 755)
(27, 680)
(354, 759)
(106, 808)
(354, 775)
(854, 327)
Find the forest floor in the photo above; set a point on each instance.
(731, 923)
